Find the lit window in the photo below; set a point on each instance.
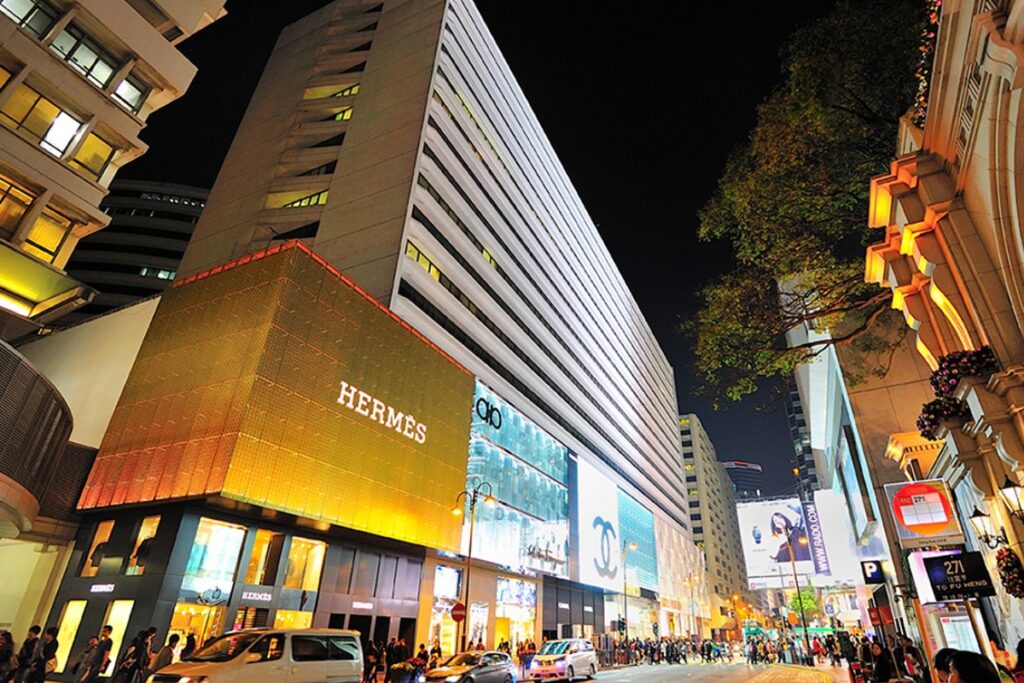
(35, 16)
(143, 543)
(351, 90)
(312, 200)
(266, 555)
(5, 76)
(118, 614)
(93, 156)
(14, 201)
(47, 235)
(343, 115)
(305, 562)
(287, 618)
(70, 618)
(29, 112)
(159, 273)
(84, 55)
(131, 92)
(98, 548)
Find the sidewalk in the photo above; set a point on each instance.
(826, 672)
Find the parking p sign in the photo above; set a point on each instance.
(872, 570)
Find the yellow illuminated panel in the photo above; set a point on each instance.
(70, 618)
(276, 382)
(118, 614)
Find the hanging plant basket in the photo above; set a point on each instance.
(1011, 572)
(955, 367)
(934, 414)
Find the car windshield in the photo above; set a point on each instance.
(555, 647)
(225, 648)
(464, 659)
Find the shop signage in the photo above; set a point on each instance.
(102, 588)
(489, 413)
(924, 514)
(959, 577)
(563, 605)
(257, 596)
(872, 570)
(876, 619)
(458, 612)
(588, 608)
(885, 613)
(363, 404)
(362, 605)
(816, 537)
(600, 546)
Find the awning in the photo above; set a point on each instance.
(33, 292)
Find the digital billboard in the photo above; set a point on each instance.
(600, 543)
(274, 380)
(775, 538)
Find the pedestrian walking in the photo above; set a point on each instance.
(101, 656)
(80, 668)
(44, 659)
(166, 654)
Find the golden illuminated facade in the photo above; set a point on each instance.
(276, 382)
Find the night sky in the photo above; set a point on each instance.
(641, 109)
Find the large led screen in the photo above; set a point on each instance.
(600, 543)
(275, 381)
(769, 531)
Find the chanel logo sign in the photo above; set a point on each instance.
(603, 564)
(488, 413)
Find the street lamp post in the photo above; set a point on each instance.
(736, 611)
(472, 495)
(799, 600)
(625, 595)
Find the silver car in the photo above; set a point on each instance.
(474, 667)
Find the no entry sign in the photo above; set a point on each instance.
(458, 612)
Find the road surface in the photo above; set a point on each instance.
(713, 673)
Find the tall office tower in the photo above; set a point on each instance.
(803, 457)
(747, 478)
(77, 82)
(390, 143)
(716, 528)
(138, 253)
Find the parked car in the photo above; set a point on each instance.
(474, 667)
(564, 659)
(318, 655)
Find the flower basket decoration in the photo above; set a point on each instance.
(1011, 572)
(934, 413)
(955, 367)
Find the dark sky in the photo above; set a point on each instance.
(641, 108)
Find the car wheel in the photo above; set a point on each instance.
(593, 672)
(508, 678)
(570, 674)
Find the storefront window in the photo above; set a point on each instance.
(305, 562)
(96, 551)
(478, 612)
(118, 613)
(70, 618)
(201, 621)
(143, 542)
(266, 555)
(288, 618)
(515, 613)
(447, 588)
(209, 578)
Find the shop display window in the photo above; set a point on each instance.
(250, 617)
(515, 610)
(70, 618)
(97, 549)
(117, 616)
(478, 613)
(447, 587)
(201, 621)
(143, 542)
(290, 618)
(305, 562)
(265, 558)
(210, 572)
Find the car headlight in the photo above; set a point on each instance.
(422, 679)
(560, 662)
(453, 679)
(534, 664)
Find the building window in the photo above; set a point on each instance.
(14, 201)
(98, 548)
(143, 543)
(85, 56)
(118, 614)
(305, 562)
(32, 114)
(70, 618)
(47, 235)
(342, 115)
(347, 92)
(5, 76)
(317, 199)
(290, 618)
(35, 16)
(93, 156)
(131, 92)
(266, 555)
(158, 273)
(323, 169)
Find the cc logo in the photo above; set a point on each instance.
(603, 565)
(488, 413)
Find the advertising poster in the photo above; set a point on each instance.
(770, 530)
(923, 514)
(600, 543)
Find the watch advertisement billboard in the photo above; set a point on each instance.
(777, 541)
(600, 543)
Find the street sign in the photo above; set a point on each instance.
(923, 513)
(876, 619)
(830, 610)
(959, 577)
(872, 571)
(458, 612)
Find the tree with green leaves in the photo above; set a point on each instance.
(807, 599)
(792, 202)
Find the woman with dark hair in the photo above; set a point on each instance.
(795, 539)
(1018, 668)
(881, 668)
(941, 663)
(970, 667)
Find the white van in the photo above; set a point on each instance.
(564, 659)
(316, 655)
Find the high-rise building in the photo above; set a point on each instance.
(747, 478)
(138, 253)
(392, 295)
(77, 83)
(803, 457)
(716, 528)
